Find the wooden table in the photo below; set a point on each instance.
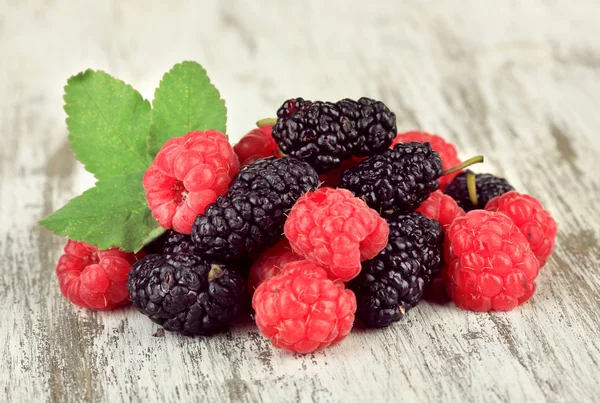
(518, 81)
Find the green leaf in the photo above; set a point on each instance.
(114, 213)
(185, 101)
(108, 124)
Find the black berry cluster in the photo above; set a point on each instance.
(488, 186)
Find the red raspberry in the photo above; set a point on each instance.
(270, 263)
(334, 229)
(303, 310)
(94, 279)
(529, 215)
(442, 208)
(256, 144)
(187, 175)
(447, 151)
(490, 265)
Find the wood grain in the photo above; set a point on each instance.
(516, 81)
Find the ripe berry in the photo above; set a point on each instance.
(256, 144)
(250, 216)
(186, 293)
(441, 208)
(393, 281)
(187, 175)
(302, 310)
(270, 263)
(94, 279)
(484, 187)
(447, 151)
(490, 265)
(334, 229)
(529, 215)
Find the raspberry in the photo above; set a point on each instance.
(397, 180)
(302, 310)
(529, 215)
(270, 263)
(325, 134)
(250, 216)
(256, 144)
(187, 175)
(186, 293)
(334, 229)
(393, 281)
(487, 187)
(446, 151)
(441, 208)
(490, 265)
(94, 279)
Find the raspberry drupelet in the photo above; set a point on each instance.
(270, 263)
(256, 144)
(441, 208)
(187, 175)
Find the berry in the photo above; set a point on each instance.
(397, 180)
(446, 151)
(302, 310)
(336, 230)
(487, 187)
(250, 216)
(325, 134)
(187, 175)
(256, 144)
(393, 281)
(490, 265)
(442, 208)
(375, 124)
(270, 263)
(186, 293)
(333, 178)
(529, 215)
(92, 278)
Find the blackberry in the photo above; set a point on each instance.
(375, 124)
(393, 281)
(324, 134)
(397, 180)
(171, 242)
(250, 216)
(487, 187)
(186, 293)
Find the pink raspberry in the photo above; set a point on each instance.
(187, 175)
(302, 309)
(94, 279)
(336, 230)
(256, 144)
(270, 263)
(442, 208)
(446, 150)
(490, 266)
(529, 215)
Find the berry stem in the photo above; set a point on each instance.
(471, 161)
(215, 272)
(472, 188)
(266, 122)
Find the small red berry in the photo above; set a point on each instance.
(187, 175)
(442, 208)
(336, 230)
(270, 263)
(529, 215)
(490, 265)
(446, 150)
(94, 279)
(256, 144)
(302, 309)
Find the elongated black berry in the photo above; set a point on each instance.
(487, 187)
(393, 281)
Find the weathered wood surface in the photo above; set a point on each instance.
(518, 81)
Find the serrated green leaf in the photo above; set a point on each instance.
(185, 101)
(113, 213)
(108, 124)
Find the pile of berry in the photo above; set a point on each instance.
(320, 216)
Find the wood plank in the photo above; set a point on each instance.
(517, 81)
